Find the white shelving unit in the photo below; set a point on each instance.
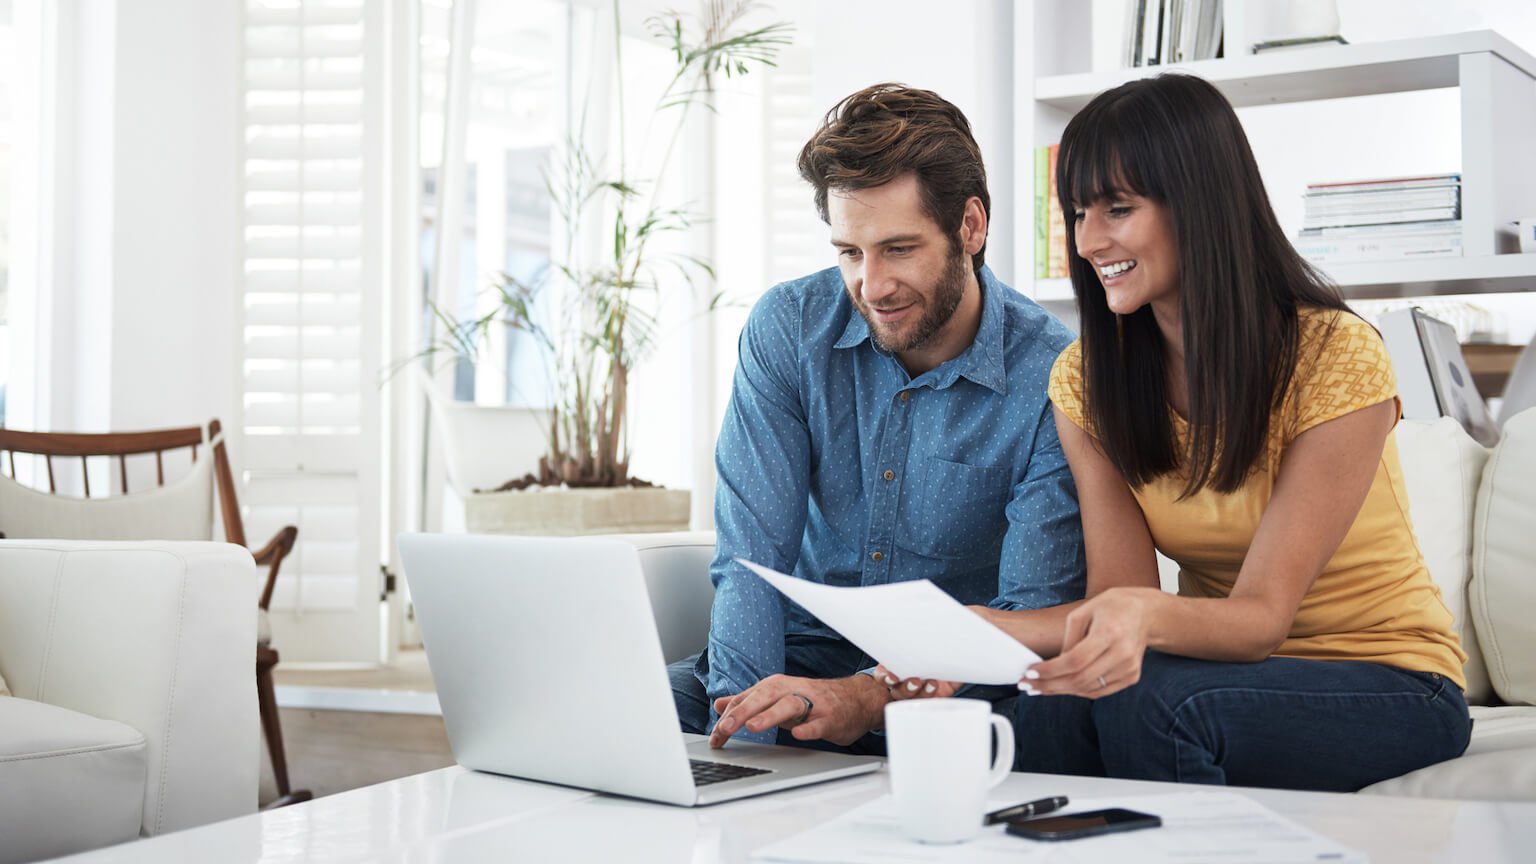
(1495, 78)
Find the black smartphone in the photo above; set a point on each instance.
(1075, 825)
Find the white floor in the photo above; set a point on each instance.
(404, 687)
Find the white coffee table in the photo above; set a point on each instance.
(456, 815)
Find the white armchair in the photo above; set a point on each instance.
(135, 709)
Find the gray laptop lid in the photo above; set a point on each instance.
(547, 662)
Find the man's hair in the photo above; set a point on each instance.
(886, 131)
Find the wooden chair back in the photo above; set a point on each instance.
(119, 446)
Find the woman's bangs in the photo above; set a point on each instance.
(1100, 162)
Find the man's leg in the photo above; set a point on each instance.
(688, 693)
(1053, 735)
(1284, 722)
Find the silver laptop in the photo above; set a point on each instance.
(548, 667)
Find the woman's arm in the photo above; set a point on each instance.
(1323, 480)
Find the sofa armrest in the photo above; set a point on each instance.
(676, 566)
(157, 635)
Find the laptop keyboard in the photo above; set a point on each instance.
(705, 773)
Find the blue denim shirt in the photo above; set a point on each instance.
(837, 466)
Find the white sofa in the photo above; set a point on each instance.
(1474, 511)
(134, 709)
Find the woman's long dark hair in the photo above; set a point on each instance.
(1175, 140)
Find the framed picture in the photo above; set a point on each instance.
(1455, 393)
(1432, 376)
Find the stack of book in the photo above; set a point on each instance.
(1159, 32)
(1377, 220)
(1050, 223)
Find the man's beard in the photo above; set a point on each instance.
(941, 307)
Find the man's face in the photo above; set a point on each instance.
(903, 274)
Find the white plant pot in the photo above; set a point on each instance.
(484, 446)
(562, 512)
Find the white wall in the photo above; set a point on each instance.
(961, 51)
(176, 209)
(147, 242)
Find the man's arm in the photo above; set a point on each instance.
(1043, 564)
(763, 465)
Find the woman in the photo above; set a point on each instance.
(1224, 407)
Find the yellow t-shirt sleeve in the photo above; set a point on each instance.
(1344, 368)
(1066, 388)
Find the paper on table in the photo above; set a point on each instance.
(871, 834)
(1198, 828)
(913, 628)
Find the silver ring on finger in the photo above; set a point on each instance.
(808, 706)
(1102, 682)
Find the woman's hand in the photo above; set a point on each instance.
(914, 688)
(1102, 648)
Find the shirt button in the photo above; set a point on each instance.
(877, 556)
(905, 395)
(889, 474)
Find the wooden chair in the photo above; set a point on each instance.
(70, 446)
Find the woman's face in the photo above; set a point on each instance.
(1130, 242)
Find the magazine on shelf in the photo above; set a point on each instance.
(1390, 217)
(1345, 202)
(1439, 227)
(1323, 251)
(1426, 181)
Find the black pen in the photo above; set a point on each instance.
(1027, 810)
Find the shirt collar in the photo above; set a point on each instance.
(981, 362)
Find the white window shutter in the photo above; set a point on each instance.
(796, 239)
(312, 294)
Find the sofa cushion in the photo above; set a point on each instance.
(1499, 765)
(1442, 470)
(676, 567)
(1503, 592)
(68, 781)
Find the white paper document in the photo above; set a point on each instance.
(1198, 828)
(913, 628)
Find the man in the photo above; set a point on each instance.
(888, 422)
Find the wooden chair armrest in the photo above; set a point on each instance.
(272, 556)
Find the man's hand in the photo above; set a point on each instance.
(841, 710)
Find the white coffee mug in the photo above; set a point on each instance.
(940, 773)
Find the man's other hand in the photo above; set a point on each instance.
(840, 710)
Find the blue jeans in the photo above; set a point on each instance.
(1326, 725)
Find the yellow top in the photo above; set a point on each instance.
(1374, 600)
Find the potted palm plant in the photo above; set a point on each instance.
(605, 319)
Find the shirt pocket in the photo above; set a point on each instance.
(953, 510)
